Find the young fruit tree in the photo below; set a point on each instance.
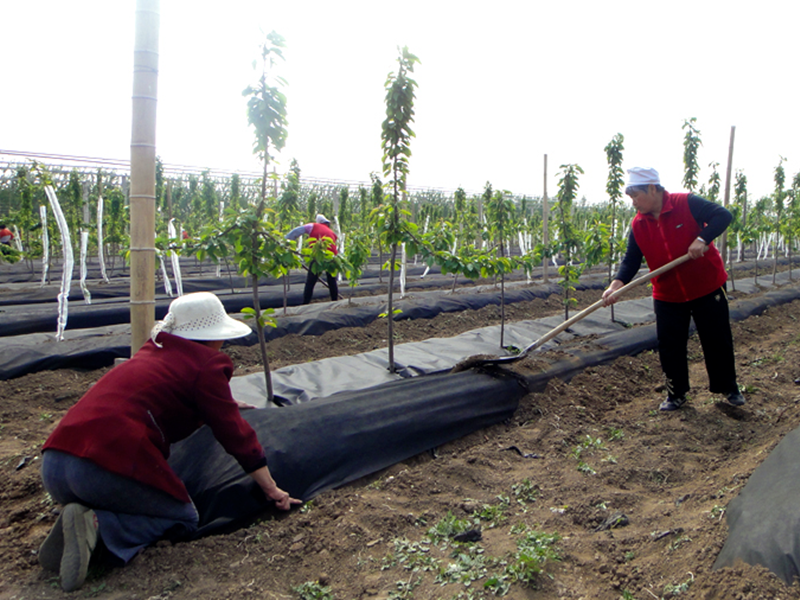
(691, 144)
(260, 250)
(614, 183)
(569, 239)
(396, 136)
(778, 198)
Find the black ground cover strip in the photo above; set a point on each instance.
(320, 445)
(764, 520)
(26, 351)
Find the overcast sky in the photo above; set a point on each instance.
(501, 84)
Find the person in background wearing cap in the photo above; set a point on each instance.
(318, 230)
(106, 461)
(668, 226)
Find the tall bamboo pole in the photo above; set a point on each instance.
(724, 240)
(545, 215)
(143, 171)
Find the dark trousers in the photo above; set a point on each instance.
(311, 281)
(712, 320)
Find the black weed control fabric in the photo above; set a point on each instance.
(24, 352)
(320, 445)
(764, 520)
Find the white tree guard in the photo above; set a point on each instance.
(341, 245)
(402, 270)
(165, 276)
(87, 295)
(45, 244)
(100, 258)
(17, 241)
(173, 256)
(69, 261)
(221, 215)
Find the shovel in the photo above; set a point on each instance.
(478, 361)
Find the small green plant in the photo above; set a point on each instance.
(676, 590)
(447, 528)
(584, 467)
(411, 556)
(533, 552)
(469, 564)
(615, 435)
(404, 589)
(626, 595)
(518, 528)
(679, 541)
(525, 492)
(493, 513)
(629, 556)
(717, 512)
(307, 507)
(45, 416)
(313, 590)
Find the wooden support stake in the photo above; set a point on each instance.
(143, 171)
(545, 214)
(723, 243)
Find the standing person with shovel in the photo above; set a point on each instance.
(666, 227)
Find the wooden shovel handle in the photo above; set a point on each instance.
(590, 309)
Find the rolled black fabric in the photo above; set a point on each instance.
(320, 445)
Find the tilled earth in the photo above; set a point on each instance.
(573, 457)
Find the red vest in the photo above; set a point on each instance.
(669, 237)
(319, 231)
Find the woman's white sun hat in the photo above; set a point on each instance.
(200, 316)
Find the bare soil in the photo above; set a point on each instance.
(572, 457)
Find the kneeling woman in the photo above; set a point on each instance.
(106, 461)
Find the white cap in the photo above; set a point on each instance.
(642, 176)
(200, 316)
(322, 219)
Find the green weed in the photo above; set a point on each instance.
(469, 565)
(411, 556)
(525, 492)
(404, 589)
(676, 590)
(313, 590)
(447, 528)
(615, 435)
(493, 513)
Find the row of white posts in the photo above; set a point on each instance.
(69, 260)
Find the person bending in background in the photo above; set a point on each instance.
(668, 226)
(5, 235)
(317, 231)
(106, 461)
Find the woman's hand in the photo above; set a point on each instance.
(265, 481)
